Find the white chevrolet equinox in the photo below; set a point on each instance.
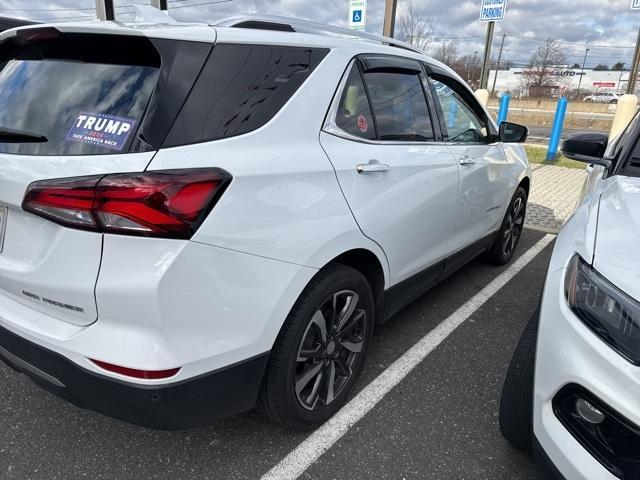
(196, 219)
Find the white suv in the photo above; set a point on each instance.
(572, 393)
(196, 217)
(602, 97)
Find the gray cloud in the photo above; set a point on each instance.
(605, 24)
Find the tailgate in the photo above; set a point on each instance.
(51, 268)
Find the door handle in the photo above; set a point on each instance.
(372, 167)
(467, 160)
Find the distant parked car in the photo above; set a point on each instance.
(601, 97)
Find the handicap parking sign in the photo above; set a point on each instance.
(357, 14)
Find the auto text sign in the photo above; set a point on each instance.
(493, 10)
(357, 14)
(100, 129)
(635, 4)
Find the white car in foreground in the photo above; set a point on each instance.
(579, 413)
(198, 217)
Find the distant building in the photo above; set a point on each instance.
(564, 80)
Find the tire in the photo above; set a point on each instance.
(516, 404)
(508, 237)
(296, 388)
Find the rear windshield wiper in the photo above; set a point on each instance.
(8, 135)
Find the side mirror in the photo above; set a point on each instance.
(513, 133)
(587, 147)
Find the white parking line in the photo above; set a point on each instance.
(305, 454)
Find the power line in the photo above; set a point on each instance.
(539, 40)
(199, 4)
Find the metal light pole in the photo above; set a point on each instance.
(633, 74)
(495, 78)
(484, 73)
(586, 52)
(471, 66)
(390, 18)
(105, 10)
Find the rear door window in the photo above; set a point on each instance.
(400, 106)
(354, 113)
(240, 89)
(82, 101)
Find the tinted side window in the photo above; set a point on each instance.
(240, 89)
(354, 113)
(400, 106)
(461, 122)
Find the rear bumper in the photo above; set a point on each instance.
(179, 405)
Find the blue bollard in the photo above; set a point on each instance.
(558, 122)
(504, 108)
(453, 115)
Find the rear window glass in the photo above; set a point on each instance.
(82, 103)
(240, 89)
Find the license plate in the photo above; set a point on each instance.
(3, 222)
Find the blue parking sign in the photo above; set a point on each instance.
(357, 16)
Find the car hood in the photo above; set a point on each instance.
(617, 249)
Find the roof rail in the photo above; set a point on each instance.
(275, 22)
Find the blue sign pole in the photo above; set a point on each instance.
(504, 108)
(556, 131)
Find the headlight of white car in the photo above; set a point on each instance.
(608, 311)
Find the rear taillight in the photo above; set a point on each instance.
(170, 203)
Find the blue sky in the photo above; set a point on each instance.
(608, 27)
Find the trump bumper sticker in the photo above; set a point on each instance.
(102, 130)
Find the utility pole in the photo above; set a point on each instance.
(484, 73)
(105, 10)
(586, 52)
(160, 4)
(390, 18)
(495, 78)
(633, 74)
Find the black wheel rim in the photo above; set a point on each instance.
(330, 346)
(513, 227)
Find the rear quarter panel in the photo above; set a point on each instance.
(284, 201)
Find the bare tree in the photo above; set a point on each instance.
(468, 67)
(415, 26)
(447, 52)
(543, 63)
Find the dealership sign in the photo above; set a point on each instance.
(493, 10)
(551, 73)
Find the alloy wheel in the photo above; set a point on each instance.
(513, 227)
(330, 345)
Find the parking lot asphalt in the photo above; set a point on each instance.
(439, 422)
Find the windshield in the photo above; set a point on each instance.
(82, 105)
